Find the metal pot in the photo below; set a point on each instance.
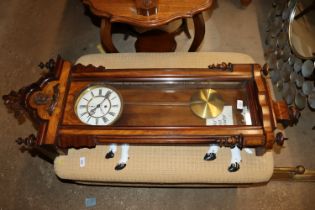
(297, 64)
(275, 76)
(299, 80)
(291, 59)
(307, 87)
(282, 40)
(300, 100)
(311, 99)
(293, 76)
(286, 52)
(288, 92)
(279, 85)
(308, 68)
(286, 71)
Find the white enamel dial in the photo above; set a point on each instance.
(98, 105)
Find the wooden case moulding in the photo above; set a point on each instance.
(156, 106)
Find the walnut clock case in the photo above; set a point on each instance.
(75, 106)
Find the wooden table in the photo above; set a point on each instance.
(124, 11)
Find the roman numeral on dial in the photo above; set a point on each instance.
(112, 113)
(108, 94)
(105, 120)
(84, 113)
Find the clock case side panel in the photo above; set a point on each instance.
(272, 112)
(52, 76)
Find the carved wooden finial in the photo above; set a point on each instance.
(50, 65)
(28, 141)
(294, 115)
(14, 102)
(265, 69)
(79, 68)
(223, 66)
(280, 138)
(230, 141)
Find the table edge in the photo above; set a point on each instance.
(146, 23)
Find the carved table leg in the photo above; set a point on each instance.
(184, 27)
(106, 36)
(199, 25)
(245, 3)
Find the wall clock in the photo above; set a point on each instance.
(77, 106)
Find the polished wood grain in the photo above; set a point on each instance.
(146, 42)
(157, 105)
(238, 72)
(156, 109)
(79, 141)
(51, 127)
(142, 123)
(124, 11)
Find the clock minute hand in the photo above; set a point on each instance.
(105, 97)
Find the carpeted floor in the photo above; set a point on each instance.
(34, 31)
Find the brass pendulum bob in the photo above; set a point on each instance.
(206, 103)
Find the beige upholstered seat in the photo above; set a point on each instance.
(180, 165)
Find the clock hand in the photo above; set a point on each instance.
(106, 96)
(94, 109)
(101, 108)
(99, 105)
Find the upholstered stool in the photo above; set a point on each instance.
(166, 165)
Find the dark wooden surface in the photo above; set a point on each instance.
(245, 3)
(124, 11)
(155, 41)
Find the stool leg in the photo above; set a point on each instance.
(124, 153)
(111, 151)
(235, 159)
(124, 157)
(212, 152)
